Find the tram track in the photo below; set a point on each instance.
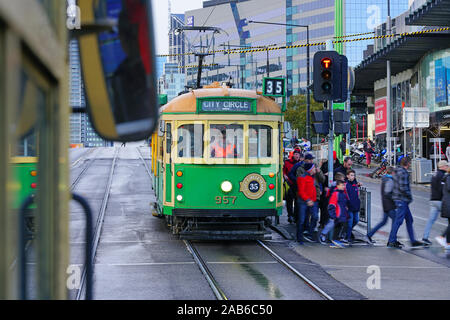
(219, 292)
(98, 224)
(82, 157)
(287, 265)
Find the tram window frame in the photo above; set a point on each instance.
(40, 91)
(269, 147)
(198, 137)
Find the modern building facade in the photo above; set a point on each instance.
(363, 17)
(420, 78)
(81, 131)
(172, 82)
(177, 43)
(246, 70)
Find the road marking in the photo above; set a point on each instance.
(143, 264)
(390, 267)
(242, 262)
(119, 241)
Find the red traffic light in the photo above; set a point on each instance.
(326, 63)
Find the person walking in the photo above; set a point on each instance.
(444, 239)
(403, 197)
(387, 187)
(337, 210)
(354, 204)
(343, 146)
(437, 182)
(291, 194)
(447, 152)
(368, 149)
(307, 201)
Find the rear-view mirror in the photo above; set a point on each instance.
(118, 67)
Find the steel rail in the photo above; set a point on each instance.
(218, 292)
(99, 223)
(295, 271)
(145, 164)
(82, 157)
(83, 171)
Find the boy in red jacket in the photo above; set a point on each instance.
(307, 201)
(338, 211)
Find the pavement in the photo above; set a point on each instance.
(375, 271)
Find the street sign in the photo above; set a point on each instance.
(416, 117)
(274, 87)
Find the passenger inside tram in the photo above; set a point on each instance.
(221, 147)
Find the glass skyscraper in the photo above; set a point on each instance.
(247, 69)
(362, 16)
(81, 131)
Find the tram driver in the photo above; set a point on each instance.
(221, 148)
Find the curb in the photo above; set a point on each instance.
(282, 231)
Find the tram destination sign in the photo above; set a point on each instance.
(226, 105)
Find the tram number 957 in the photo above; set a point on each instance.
(225, 200)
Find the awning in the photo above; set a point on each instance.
(432, 13)
(404, 53)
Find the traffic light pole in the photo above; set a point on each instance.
(329, 105)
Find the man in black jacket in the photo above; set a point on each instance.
(387, 186)
(436, 198)
(347, 165)
(402, 196)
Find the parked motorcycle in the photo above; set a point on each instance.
(357, 152)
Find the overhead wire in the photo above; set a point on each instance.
(259, 49)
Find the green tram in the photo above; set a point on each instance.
(24, 178)
(217, 164)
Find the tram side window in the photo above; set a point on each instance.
(168, 137)
(27, 147)
(190, 141)
(260, 141)
(227, 141)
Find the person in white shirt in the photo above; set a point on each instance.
(306, 145)
(447, 152)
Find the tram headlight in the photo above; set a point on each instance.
(226, 186)
(271, 198)
(179, 198)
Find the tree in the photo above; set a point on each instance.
(296, 113)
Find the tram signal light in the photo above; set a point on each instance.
(330, 76)
(341, 121)
(322, 121)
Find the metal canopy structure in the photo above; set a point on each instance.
(432, 13)
(404, 53)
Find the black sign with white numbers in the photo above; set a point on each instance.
(274, 87)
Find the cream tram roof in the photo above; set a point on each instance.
(187, 102)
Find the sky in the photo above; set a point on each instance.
(160, 16)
